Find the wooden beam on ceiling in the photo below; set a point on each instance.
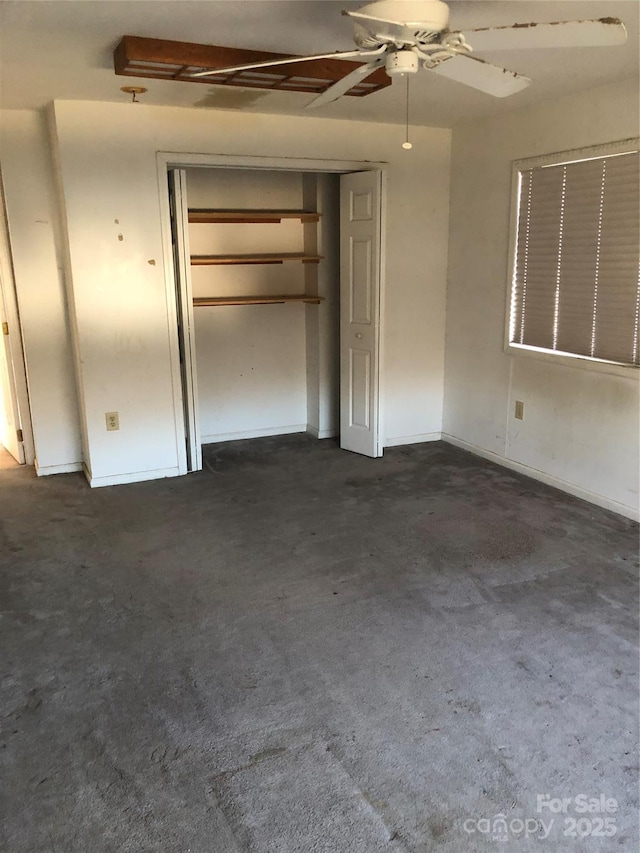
(158, 59)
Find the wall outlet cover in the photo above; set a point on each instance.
(112, 420)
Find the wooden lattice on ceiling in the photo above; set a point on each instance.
(176, 60)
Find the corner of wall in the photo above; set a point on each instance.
(581, 429)
(37, 246)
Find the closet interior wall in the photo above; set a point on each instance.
(266, 369)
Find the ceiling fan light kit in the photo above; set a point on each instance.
(402, 62)
(392, 38)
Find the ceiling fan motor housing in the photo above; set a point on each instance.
(401, 62)
(400, 22)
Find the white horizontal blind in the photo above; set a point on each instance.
(576, 283)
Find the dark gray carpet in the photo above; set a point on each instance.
(299, 649)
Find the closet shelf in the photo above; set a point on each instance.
(257, 216)
(206, 260)
(204, 301)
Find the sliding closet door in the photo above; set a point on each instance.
(184, 300)
(360, 265)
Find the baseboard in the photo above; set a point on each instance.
(253, 433)
(412, 439)
(592, 497)
(135, 477)
(321, 433)
(68, 468)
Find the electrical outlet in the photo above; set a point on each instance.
(113, 421)
(519, 413)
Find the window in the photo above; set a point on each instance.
(576, 262)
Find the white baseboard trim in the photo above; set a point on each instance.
(577, 491)
(321, 433)
(412, 439)
(67, 468)
(135, 477)
(252, 433)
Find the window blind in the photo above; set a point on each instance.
(576, 281)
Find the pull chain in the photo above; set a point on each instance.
(406, 144)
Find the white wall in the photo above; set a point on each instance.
(251, 359)
(37, 249)
(580, 430)
(107, 155)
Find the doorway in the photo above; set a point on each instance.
(16, 444)
(332, 338)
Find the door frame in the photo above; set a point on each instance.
(165, 161)
(9, 313)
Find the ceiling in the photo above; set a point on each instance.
(64, 50)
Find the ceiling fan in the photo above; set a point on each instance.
(404, 35)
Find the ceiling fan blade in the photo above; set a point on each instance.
(597, 33)
(344, 54)
(482, 75)
(342, 86)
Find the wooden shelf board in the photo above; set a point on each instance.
(204, 301)
(207, 260)
(204, 215)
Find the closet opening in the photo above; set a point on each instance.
(277, 292)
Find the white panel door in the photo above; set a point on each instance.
(360, 262)
(184, 300)
(10, 352)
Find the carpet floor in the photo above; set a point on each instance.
(303, 650)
